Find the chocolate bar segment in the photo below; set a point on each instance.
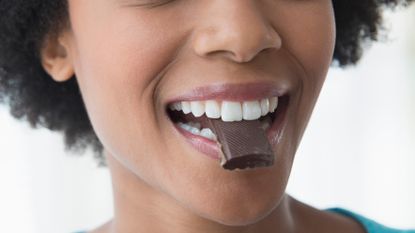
(244, 144)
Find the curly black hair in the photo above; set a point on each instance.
(35, 97)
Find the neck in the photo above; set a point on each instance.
(138, 207)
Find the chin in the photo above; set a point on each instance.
(234, 212)
(240, 216)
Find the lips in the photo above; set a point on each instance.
(232, 92)
(188, 112)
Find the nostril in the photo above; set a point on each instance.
(243, 55)
(218, 53)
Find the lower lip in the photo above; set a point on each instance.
(211, 148)
(208, 147)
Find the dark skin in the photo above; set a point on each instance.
(130, 60)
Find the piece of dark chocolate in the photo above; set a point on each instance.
(244, 144)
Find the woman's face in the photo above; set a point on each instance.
(134, 57)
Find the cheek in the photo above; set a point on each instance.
(116, 64)
(309, 42)
(310, 39)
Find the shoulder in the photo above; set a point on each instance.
(339, 220)
(310, 219)
(370, 225)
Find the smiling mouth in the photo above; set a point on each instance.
(241, 133)
(238, 124)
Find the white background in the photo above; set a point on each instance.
(358, 152)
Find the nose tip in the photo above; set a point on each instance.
(237, 40)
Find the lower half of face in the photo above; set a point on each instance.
(151, 76)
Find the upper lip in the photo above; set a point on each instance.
(238, 92)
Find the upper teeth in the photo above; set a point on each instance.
(228, 110)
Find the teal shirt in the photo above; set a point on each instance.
(370, 225)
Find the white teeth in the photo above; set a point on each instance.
(198, 108)
(273, 104)
(194, 128)
(188, 127)
(195, 131)
(212, 109)
(231, 111)
(251, 110)
(264, 107)
(176, 106)
(185, 126)
(195, 125)
(186, 107)
(207, 133)
(228, 110)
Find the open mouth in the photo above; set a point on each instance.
(193, 116)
